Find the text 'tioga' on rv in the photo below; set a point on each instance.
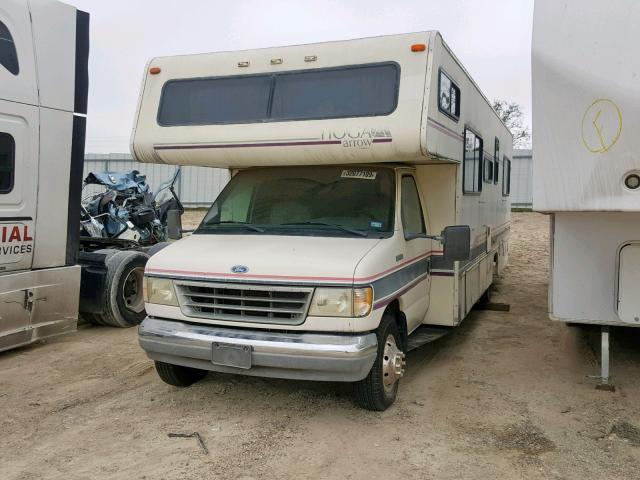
(586, 119)
(368, 209)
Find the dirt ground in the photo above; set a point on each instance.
(504, 396)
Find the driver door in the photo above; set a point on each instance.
(417, 249)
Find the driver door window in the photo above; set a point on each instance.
(411, 209)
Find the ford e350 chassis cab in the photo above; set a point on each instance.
(367, 212)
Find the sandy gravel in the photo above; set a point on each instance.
(504, 396)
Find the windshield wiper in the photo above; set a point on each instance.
(332, 225)
(233, 222)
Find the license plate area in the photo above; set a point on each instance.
(231, 355)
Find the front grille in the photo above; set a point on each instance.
(244, 303)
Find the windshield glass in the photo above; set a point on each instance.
(320, 201)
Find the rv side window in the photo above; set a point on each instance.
(411, 209)
(506, 176)
(472, 163)
(7, 162)
(496, 161)
(448, 96)
(356, 91)
(488, 170)
(8, 54)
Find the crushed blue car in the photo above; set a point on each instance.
(127, 209)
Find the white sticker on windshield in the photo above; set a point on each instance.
(362, 174)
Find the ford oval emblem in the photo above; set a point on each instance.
(239, 269)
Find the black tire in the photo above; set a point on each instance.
(123, 283)
(371, 393)
(153, 249)
(91, 318)
(177, 375)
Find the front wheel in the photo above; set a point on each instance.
(177, 375)
(379, 389)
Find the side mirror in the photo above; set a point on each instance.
(456, 240)
(174, 224)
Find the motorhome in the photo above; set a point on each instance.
(586, 114)
(368, 209)
(43, 100)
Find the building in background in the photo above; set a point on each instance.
(522, 179)
(197, 187)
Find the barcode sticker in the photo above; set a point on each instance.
(361, 174)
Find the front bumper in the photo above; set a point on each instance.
(302, 356)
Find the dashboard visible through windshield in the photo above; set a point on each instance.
(319, 201)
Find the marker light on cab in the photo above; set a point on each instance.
(341, 302)
(160, 291)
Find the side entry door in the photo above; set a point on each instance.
(417, 251)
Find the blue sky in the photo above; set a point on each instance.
(492, 38)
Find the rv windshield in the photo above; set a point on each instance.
(319, 201)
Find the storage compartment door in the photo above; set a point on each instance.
(629, 284)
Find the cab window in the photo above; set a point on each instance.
(8, 54)
(411, 209)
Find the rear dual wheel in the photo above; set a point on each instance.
(379, 389)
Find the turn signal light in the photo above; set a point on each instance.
(154, 70)
(418, 47)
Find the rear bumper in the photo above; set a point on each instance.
(302, 356)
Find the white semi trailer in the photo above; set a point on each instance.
(47, 271)
(44, 47)
(586, 117)
(323, 257)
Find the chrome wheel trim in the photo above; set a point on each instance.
(132, 290)
(393, 363)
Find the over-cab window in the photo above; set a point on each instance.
(7, 162)
(448, 96)
(411, 209)
(8, 54)
(506, 176)
(472, 163)
(355, 91)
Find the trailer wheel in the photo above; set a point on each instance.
(379, 389)
(177, 375)
(91, 318)
(124, 301)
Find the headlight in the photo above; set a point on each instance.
(160, 291)
(341, 302)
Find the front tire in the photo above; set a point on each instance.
(379, 389)
(177, 375)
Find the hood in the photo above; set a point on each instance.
(266, 258)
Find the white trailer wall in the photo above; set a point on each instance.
(197, 187)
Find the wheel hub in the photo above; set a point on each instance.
(132, 290)
(393, 363)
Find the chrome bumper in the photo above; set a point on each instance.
(302, 356)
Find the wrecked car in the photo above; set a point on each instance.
(126, 209)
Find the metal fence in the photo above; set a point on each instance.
(522, 179)
(197, 186)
